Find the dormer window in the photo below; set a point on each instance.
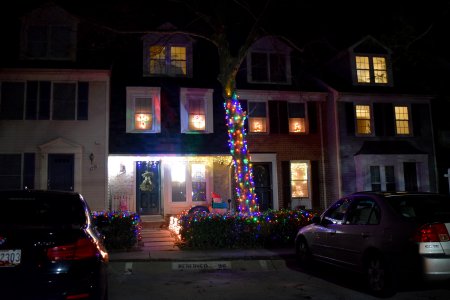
(169, 55)
(49, 34)
(268, 61)
(371, 69)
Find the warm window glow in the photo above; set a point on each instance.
(143, 121)
(178, 60)
(362, 69)
(402, 119)
(376, 67)
(299, 180)
(379, 69)
(363, 119)
(257, 124)
(197, 122)
(297, 125)
(178, 173)
(157, 60)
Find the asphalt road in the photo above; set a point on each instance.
(246, 279)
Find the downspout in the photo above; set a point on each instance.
(322, 149)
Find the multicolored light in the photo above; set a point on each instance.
(243, 170)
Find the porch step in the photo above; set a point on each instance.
(153, 221)
(158, 239)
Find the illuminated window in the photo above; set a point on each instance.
(178, 174)
(197, 121)
(299, 180)
(168, 60)
(196, 114)
(371, 69)
(143, 110)
(257, 117)
(363, 119)
(198, 177)
(296, 113)
(402, 120)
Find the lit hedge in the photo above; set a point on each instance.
(202, 230)
(122, 230)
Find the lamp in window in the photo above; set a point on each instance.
(296, 125)
(197, 122)
(257, 124)
(143, 121)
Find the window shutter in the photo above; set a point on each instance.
(274, 118)
(83, 104)
(350, 118)
(312, 117)
(286, 179)
(379, 121)
(389, 119)
(283, 118)
(417, 113)
(28, 170)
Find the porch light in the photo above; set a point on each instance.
(143, 121)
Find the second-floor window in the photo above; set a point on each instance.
(143, 110)
(371, 70)
(168, 60)
(297, 119)
(363, 119)
(44, 100)
(257, 117)
(402, 120)
(196, 110)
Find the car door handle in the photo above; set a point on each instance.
(365, 234)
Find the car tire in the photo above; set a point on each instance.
(378, 276)
(302, 252)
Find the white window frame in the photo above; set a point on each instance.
(143, 92)
(195, 93)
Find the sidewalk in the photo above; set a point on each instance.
(144, 254)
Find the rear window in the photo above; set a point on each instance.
(424, 208)
(41, 209)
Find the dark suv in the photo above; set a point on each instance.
(49, 247)
(383, 235)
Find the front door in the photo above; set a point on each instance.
(263, 184)
(148, 199)
(60, 172)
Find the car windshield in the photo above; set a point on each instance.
(41, 210)
(423, 208)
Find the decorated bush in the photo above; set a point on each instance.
(122, 230)
(203, 230)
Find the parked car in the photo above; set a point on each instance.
(49, 247)
(384, 235)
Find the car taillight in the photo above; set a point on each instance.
(83, 248)
(432, 233)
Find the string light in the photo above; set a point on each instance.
(243, 171)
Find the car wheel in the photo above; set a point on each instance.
(302, 252)
(379, 279)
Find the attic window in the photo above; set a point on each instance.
(371, 69)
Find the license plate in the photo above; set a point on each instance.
(10, 258)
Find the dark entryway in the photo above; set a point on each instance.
(60, 172)
(410, 174)
(263, 184)
(148, 182)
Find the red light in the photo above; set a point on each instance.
(78, 296)
(430, 233)
(83, 248)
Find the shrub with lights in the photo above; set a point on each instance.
(122, 229)
(202, 230)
